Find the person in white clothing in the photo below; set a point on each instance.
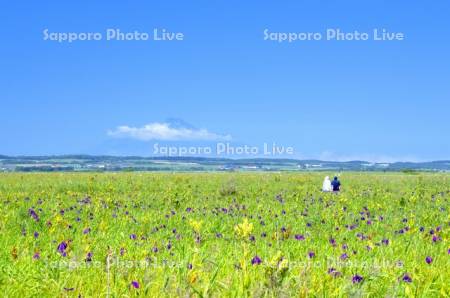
(326, 187)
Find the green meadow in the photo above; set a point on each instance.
(224, 235)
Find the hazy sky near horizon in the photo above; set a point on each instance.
(373, 100)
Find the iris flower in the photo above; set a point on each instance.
(357, 279)
(256, 260)
(33, 214)
(407, 278)
(299, 237)
(62, 248)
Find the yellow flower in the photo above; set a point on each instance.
(58, 219)
(196, 225)
(193, 276)
(408, 291)
(102, 226)
(244, 229)
(279, 262)
(276, 259)
(284, 264)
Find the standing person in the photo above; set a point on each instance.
(326, 187)
(336, 184)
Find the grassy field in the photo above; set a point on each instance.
(224, 235)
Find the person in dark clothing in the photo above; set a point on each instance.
(336, 184)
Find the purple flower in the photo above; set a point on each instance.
(299, 237)
(36, 235)
(333, 272)
(219, 235)
(385, 241)
(89, 257)
(36, 256)
(33, 214)
(86, 231)
(135, 284)
(357, 279)
(86, 200)
(311, 254)
(256, 260)
(122, 251)
(406, 278)
(436, 238)
(189, 266)
(344, 257)
(422, 229)
(62, 248)
(155, 249)
(279, 198)
(428, 260)
(332, 241)
(133, 237)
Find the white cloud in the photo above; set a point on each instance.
(166, 132)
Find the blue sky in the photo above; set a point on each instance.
(379, 101)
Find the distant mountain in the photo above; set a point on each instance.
(161, 163)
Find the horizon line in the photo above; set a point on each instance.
(214, 158)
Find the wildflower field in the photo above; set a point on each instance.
(224, 235)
